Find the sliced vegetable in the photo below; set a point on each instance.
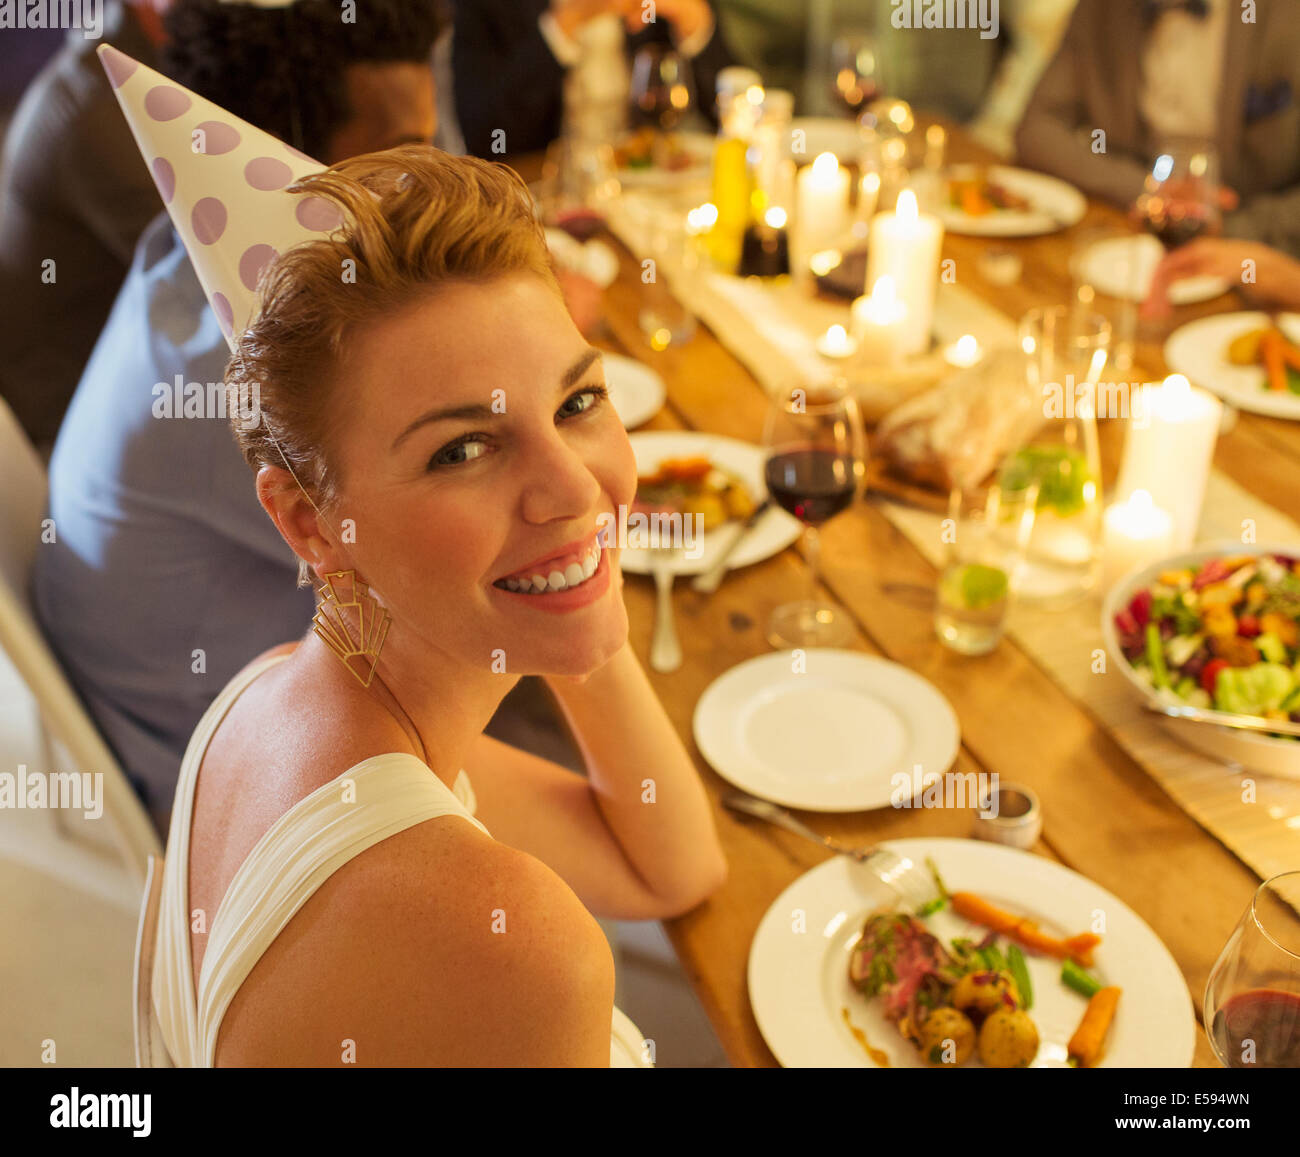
(1255, 689)
(1210, 672)
(1020, 974)
(1156, 656)
(1025, 931)
(1084, 983)
(1090, 1037)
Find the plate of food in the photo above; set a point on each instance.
(1004, 202)
(1123, 267)
(713, 484)
(650, 157)
(793, 732)
(635, 390)
(1249, 360)
(1216, 628)
(1018, 963)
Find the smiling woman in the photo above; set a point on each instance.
(436, 444)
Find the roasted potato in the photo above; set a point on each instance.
(1243, 350)
(1008, 1039)
(984, 991)
(948, 1039)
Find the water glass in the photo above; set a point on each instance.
(985, 537)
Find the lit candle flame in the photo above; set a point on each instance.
(884, 291)
(906, 208)
(775, 217)
(825, 167)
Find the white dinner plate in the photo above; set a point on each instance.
(799, 986)
(1054, 205)
(1199, 350)
(1123, 267)
(770, 535)
(636, 391)
(826, 730)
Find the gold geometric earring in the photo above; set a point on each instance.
(344, 592)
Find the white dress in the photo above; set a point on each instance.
(300, 851)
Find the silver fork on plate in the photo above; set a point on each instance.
(909, 880)
(665, 650)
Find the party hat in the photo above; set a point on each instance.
(223, 183)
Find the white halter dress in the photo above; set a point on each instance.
(300, 851)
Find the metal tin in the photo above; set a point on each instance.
(1013, 817)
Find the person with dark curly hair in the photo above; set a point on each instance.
(74, 198)
(164, 575)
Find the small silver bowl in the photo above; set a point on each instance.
(1013, 817)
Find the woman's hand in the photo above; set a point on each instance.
(1258, 269)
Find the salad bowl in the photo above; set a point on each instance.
(1133, 605)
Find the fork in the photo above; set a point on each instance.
(665, 650)
(911, 884)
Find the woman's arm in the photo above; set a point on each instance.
(635, 839)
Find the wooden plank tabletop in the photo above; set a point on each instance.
(1103, 816)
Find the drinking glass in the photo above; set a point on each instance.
(814, 440)
(1180, 199)
(855, 76)
(1064, 350)
(986, 536)
(662, 91)
(1252, 999)
(579, 180)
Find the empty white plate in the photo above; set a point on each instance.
(1123, 266)
(826, 730)
(636, 391)
(800, 990)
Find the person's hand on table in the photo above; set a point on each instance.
(1276, 277)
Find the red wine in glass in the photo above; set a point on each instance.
(1262, 1022)
(812, 484)
(580, 223)
(1180, 226)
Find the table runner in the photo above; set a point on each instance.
(771, 328)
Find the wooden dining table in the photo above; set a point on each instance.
(1104, 817)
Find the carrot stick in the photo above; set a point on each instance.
(1270, 349)
(980, 911)
(1291, 354)
(1086, 1044)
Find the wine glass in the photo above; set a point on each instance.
(1252, 999)
(1180, 199)
(577, 185)
(662, 91)
(855, 79)
(814, 448)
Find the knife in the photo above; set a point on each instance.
(708, 582)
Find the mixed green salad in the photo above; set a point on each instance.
(1224, 634)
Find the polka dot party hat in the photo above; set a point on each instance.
(223, 183)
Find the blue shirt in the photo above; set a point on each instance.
(166, 576)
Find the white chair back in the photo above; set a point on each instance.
(23, 492)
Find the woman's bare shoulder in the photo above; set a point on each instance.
(437, 946)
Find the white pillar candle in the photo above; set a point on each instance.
(1169, 449)
(905, 245)
(880, 324)
(1135, 533)
(822, 200)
